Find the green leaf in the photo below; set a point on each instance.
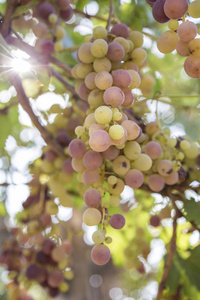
(174, 276)
(192, 210)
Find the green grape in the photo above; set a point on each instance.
(192, 152)
(98, 237)
(89, 120)
(102, 64)
(99, 48)
(143, 162)
(85, 54)
(185, 145)
(136, 37)
(114, 201)
(194, 9)
(116, 132)
(138, 56)
(173, 24)
(99, 32)
(132, 150)
(121, 165)
(103, 115)
(82, 70)
(112, 180)
(167, 41)
(95, 98)
(123, 42)
(117, 188)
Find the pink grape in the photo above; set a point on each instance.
(129, 98)
(113, 96)
(62, 137)
(133, 130)
(175, 9)
(117, 221)
(121, 78)
(100, 141)
(77, 148)
(83, 91)
(156, 183)
(55, 278)
(90, 177)
(172, 178)
(192, 66)
(66, 14)
(92, 197)
(111, 153)
(115, 52)
(134, 178)
(158, 11)
(50, 155)
(187, 31)
(48, 246)
(100, 254)
(165, 167)
(153, 149)
(120, 30)
(63, 4)
(67, 167)
(44, 10)
(47, 46)
(92, 160)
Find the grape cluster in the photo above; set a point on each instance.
(37, 259)
(49, 30)
(106, 75)
(182, 33)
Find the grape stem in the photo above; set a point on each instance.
(172, 251)
(24, 101)
(110, 15)
(86, 15)
(5, 27)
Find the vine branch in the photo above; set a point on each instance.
(110, 15)
(168, 262)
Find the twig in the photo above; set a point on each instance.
(59, 64)
(11, 4)
(168, 263)
(110, 15)
(68, 86)
(24, 101)
(88, 15)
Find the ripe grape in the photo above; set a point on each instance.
(83, 70)
(91, 217)
(120, 29)
(100, 254)
(67, 167)
(158, 11)
(99, 48)
(63, 4)
(103, 80)
(92, 160)
(83, 91)
(123, 42)
(84, 53)
(111, 153)
(172, 178)
(47, 46)
(117, 221)
(121, 78)
(77, 148)
(48, 246)
(182, 48)
(167, 41)
(40, 29)
(32, 271)
(187, 31)
(92, 197)
(136, 80)
(55, 278)
(103, 115)
(66, 14)
(90, 177)
(95, 127)
(165, 167)
(143, 162)
(58, 254)
(129, 98)
(121, 165)
(133, 130)
(77, 165)
(175, 9)
(194, 47)
(99, 141)
(153, 149)
(156, 183)
(154, 221)
(194, 9)
(115, 52)
(44, 10)
(98, 237)
(192, 66)
(134, 178)
(113, 96)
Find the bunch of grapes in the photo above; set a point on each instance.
(106, 75)
(37, 259)
(182, 33)
(49, 30)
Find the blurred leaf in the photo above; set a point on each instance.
(192, 210)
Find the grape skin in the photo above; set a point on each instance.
(92, 197)
(84, 53)
(121, 78)
(153, 149)
(92, 160)
(187, 31)
(121, 165)
(91, 216)
(156, 183)
(175, 9)
(192, 66)
(133, 130)
(194, 9)
(115, 52)
(158, 11)
(134, 178)
(100, 141)
(113, 96)
(165, 167)
(117, 221)
(120, 30)
(167, 42)
(90, 177)
(111, 153)
(100, 254)
(77, 148)
(182, 48)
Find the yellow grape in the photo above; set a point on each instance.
(194, 9)
(167, 41)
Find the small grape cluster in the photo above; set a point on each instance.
(107, 72)
(37, 259)
(49, 30)
(182, 33)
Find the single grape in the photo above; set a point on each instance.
(172, 178)
(175, 9)
(67, 166)
(138, 56)
(83, 91)
(90, 177)
(113, 96)
(132, 150)
(103, 115)
(66, 14)
(92, 160)
(99, 32)
(40, 29)
(63, 4)
(154, 221)
(167, 41)
(158, 11)
(128, 98)
(116, 132)
(136, 80)
(98, 237)
(192, 66)
(99, 48)
(136, 37)
(115, 52)
(95, 98)
(100, 141)
(111, 153)
(55, 278)
(156, 183)
(77, 148)
(95, 127)
(91, 216)
(187, 31)
(153, 149)
(165, 167)
(120, 29)
(47, 46)
(182, 48)
(100, 254)
(84, 53)
(133, 130)
(143, 162)
(194, 9)
(121, 78)
(44, 10)
(121, 165)
(89, 121)
(92, 197)
(102, 64)
(117, 221)
(117, 188)
(103, 80)
(194, 47)
(123, 42)
(134, 178)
